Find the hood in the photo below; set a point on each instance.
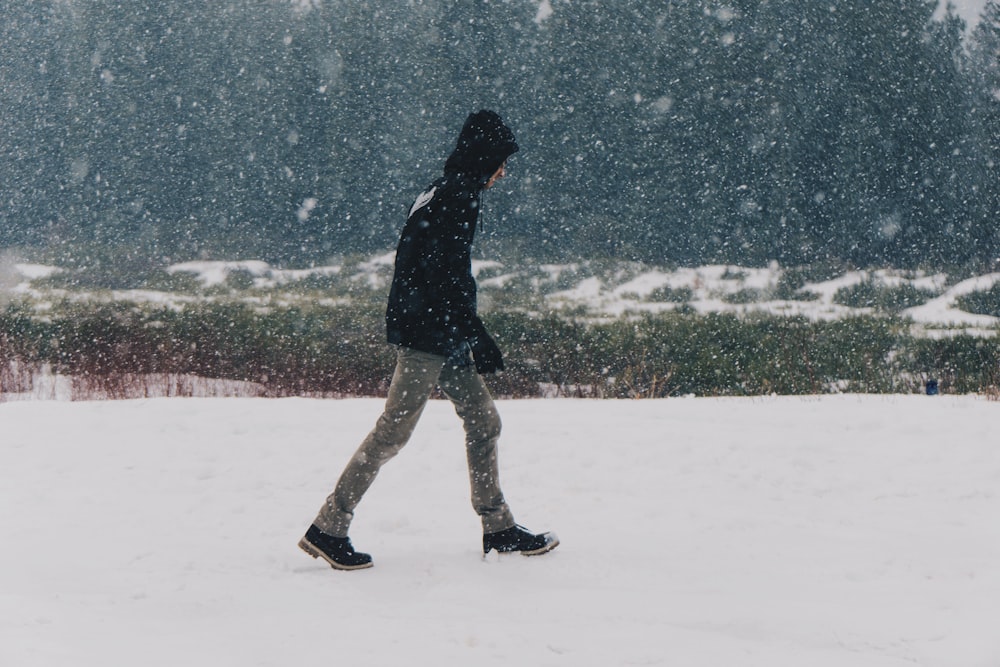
(483, 145)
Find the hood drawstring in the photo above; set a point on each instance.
(479, 211)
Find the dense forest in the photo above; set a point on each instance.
(669, 131)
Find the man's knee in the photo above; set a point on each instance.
(495, 425)
(483, 425)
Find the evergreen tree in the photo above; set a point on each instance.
(942, 231)
(34, 167)
(985, 71)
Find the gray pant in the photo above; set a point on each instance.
(416, 375)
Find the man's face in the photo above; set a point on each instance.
(497, 175)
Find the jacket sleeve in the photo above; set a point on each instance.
(460, 295)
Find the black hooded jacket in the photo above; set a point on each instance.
(432, 301)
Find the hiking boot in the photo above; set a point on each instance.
(337, 551)
(519, 539)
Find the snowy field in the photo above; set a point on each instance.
(841, 531)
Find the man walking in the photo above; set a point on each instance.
(432, 319)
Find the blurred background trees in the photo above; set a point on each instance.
(864, 132)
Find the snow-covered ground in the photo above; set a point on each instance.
(841, 531)
(942, 310)
(710, 285)
(609, 292)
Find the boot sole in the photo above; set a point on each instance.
(313, 551)
(549, 546)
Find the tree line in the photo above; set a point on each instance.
(670, 131)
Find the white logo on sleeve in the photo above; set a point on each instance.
(422, 200)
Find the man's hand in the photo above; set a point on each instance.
(487, 355)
